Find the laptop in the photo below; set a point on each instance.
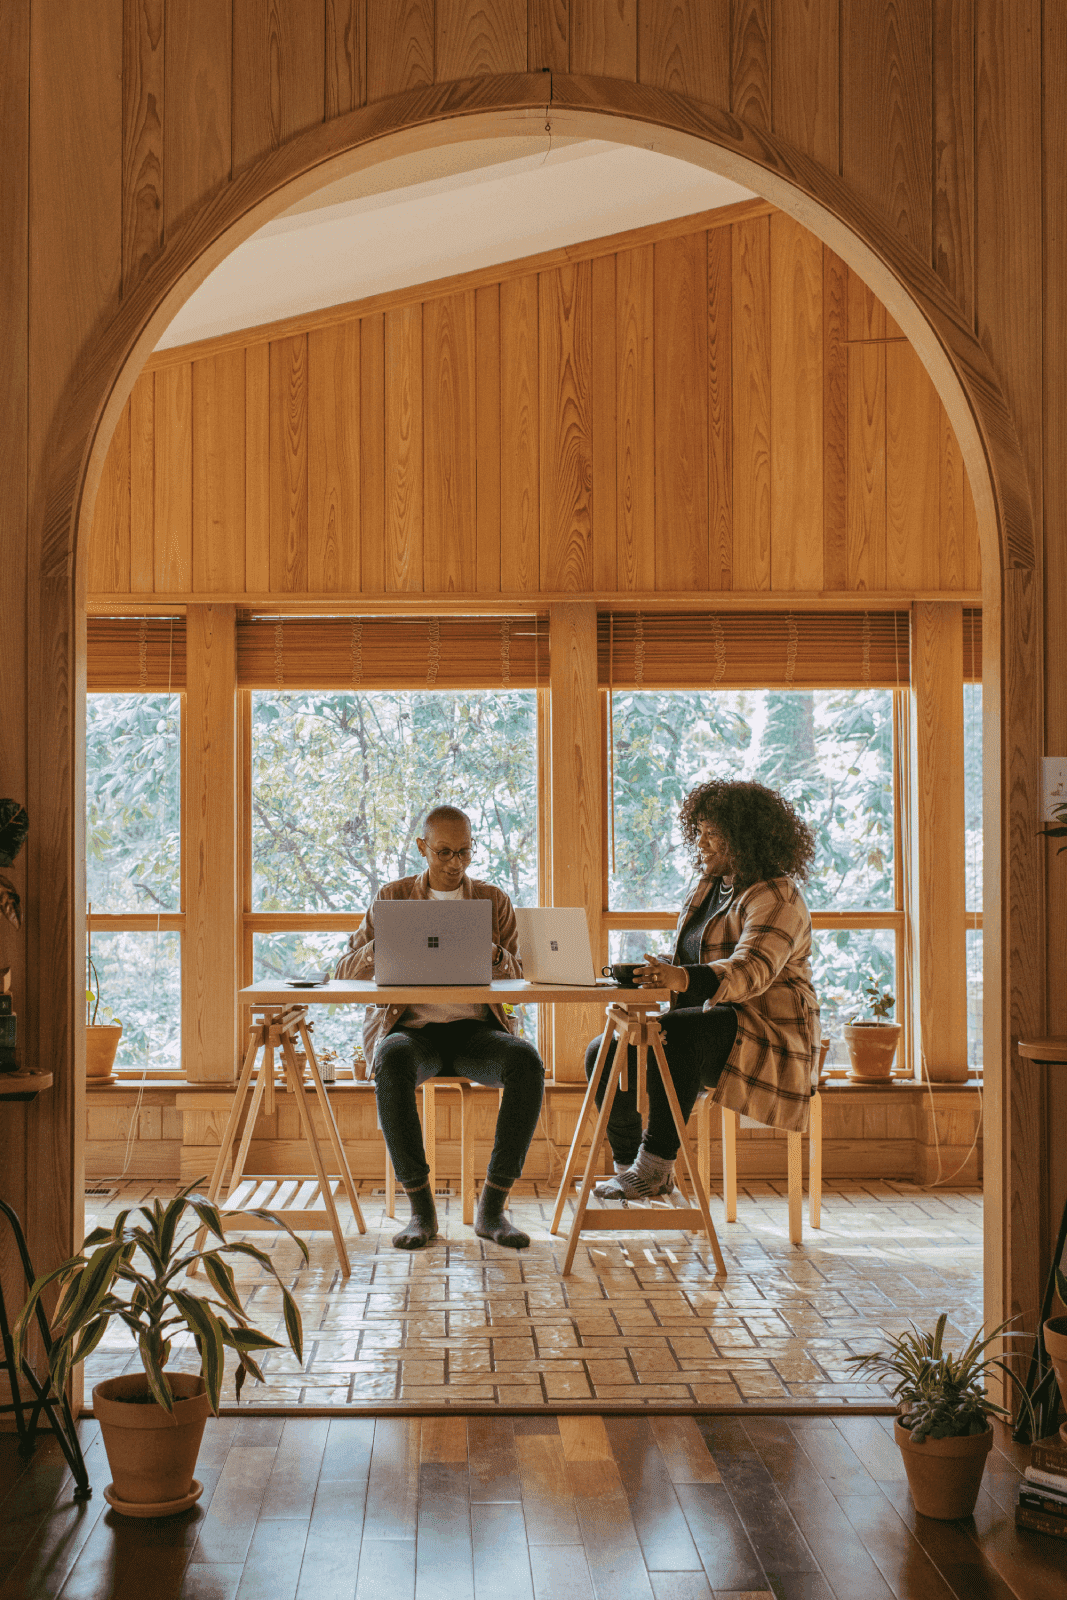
(433, 941)
(554, 945)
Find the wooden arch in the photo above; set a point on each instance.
(825, 204)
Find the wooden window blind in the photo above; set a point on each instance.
(130, 654)
(972, 644)
(392, 652)
(753, 650)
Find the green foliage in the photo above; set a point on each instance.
(942, 1395)
(14, 826)
(340, 783)
(149, 1260)
(1061, 1287)
(133, 802)
(879, 1001)
(1058, 829)
(92, 998)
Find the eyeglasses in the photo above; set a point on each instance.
(445, 855)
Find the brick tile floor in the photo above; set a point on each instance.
(641, 1319)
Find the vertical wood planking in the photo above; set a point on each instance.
(400, 46)
(797, 384)
(403, 484)
(680, 322)
(142, 137)
(750, 61)
(805, 78)
(866, 439)
(487, 463)
(835, 420)
(939, 914)
(685, 48)
(210, 967)
(604, 424)
(604, 38)
(257, 468)
(289, 465)
(333, 459)
(565, 348)
(1054, 144)
(520, 436)
(576, 803)
(548, 36)
(278, 73)
(886, 112)
(912, 439)
(953, 197)
(720, 409)
(372, 453)
(750, 287)
(109, 549)
(197, 56)
(636, 419)
(473, 41)
(142, 483)
(952, 507)
(450, 536)
(345, 61)
(219, 473)
(74, 255)
(173, 498)
(16, 716)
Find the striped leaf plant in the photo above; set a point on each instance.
(136, 1271)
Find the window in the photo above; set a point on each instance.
(134, 872)
(831, 751)
(338, 785)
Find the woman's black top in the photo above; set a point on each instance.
(703, 982)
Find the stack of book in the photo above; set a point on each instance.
(1042, 1503)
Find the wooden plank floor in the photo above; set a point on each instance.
(526, 1508)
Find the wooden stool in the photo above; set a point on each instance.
(305, 1201)
(731, 1122)
(631, 1023)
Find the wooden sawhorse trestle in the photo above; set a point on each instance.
(631, 1023)
(305, 1201)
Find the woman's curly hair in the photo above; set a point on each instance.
(765, 836)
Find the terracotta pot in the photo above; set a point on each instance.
(152, 1454)
(871, 1048)
(1056, 1345)
(944, 1475)
(101, 1047)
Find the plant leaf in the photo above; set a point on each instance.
(207, 1329)
(210, 1217)
(221, 1275)
(294, 1327)
(157, 1380)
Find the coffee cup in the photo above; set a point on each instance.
(623, 973)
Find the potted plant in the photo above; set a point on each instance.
(14, 826)
(101, 1038)
(153, 1421)
(943, 1429)
(1055, 1332)
(871, 1037)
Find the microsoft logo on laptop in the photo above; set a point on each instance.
(554, 943)
(432, 943)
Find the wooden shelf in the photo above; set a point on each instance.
(24, 1085)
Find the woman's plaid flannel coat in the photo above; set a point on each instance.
(759, 946)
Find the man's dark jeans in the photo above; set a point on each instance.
(481, 1051)
(696, 1043)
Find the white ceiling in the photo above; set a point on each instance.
(445, 211)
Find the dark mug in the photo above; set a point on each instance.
(623, 973)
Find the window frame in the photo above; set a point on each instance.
(897, 919)
(157, 921)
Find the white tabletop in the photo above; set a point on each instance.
(502, 991)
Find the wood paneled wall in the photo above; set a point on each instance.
(935, 135)
(725, 410)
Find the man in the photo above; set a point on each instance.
(406, 1045)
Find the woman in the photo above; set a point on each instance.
(743, 1018)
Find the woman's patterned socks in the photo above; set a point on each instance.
(648, 1177)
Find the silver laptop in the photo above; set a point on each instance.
(554, 945)
(433, 941)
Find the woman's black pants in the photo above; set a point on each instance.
(697, 1044)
